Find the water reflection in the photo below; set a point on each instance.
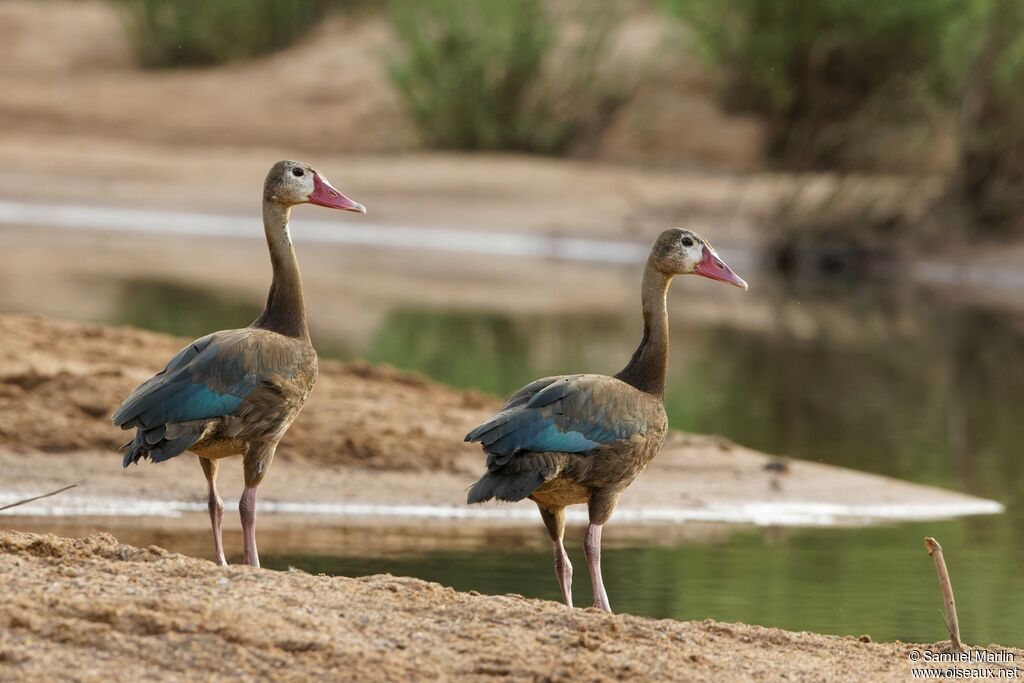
(905, 384)
(923, 391)
(878, 581)
(180, 309)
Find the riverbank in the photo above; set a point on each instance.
(373, 444)
(128, 614)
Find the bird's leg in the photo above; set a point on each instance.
(563, 570)
(554, 520)
(255, 462)
(592, 549)
(247, 511)
(600, 508)
(216, 506)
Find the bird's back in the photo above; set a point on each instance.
(236, 385)
(590, 429)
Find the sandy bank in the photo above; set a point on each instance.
(60, 382)
(373, 445)
(93, 609)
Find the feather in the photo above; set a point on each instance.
(210, 379)
(507, 488)
(569, 414)
(573, 414)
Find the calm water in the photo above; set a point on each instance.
(878, 581)
(907, 384)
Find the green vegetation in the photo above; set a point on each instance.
(180, 309)
(991, 178)
(841, 84)
(483, 75)
(173, 33)
(848, 85)
(420, 339)
(829, 76)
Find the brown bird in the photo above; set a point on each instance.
(236, 392)
(584, 438)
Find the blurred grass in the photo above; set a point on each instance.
(180, 309)
(845, 85)
(919, 86)
(991, 175)
(480, 75)
(177, 33)
(830, 76)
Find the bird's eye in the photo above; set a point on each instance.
(687, 242)
(298, 172)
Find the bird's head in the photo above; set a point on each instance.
(683, 252)
(293, 182)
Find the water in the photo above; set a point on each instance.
(188, 224)
(916, 388)
(908, 385)
(904, 383)
(878, 581)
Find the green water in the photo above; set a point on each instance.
(906, 384)
(878, 581)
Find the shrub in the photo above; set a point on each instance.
(991, 175)
(478, 75)
(171, 33)
(816, 69)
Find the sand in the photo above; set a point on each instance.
(81, 124)
(374, 446)
(95, 610)
(60, 382)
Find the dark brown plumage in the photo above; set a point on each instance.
(578, 439)
(236, 392)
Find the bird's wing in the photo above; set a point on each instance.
(211, 377)
(566, 414)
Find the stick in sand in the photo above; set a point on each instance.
(935, 550)
(45, 495)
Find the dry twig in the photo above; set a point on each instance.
(935, 550)
(45, 495)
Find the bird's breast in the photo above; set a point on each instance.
(215, 447)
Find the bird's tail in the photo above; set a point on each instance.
(505, 486)
(161, 443)
(514, 478)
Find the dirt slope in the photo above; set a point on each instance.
(95, 610)
(60, 382)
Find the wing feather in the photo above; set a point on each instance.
(209, 378)
(567, 414)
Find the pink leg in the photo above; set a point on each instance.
(554, 520)
(247, 511)
(215, 504)
(563, 571)
(592, 549)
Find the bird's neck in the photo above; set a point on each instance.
(285, 312)
(647, 368)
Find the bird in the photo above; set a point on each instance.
(584, 438)
(236, 392)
